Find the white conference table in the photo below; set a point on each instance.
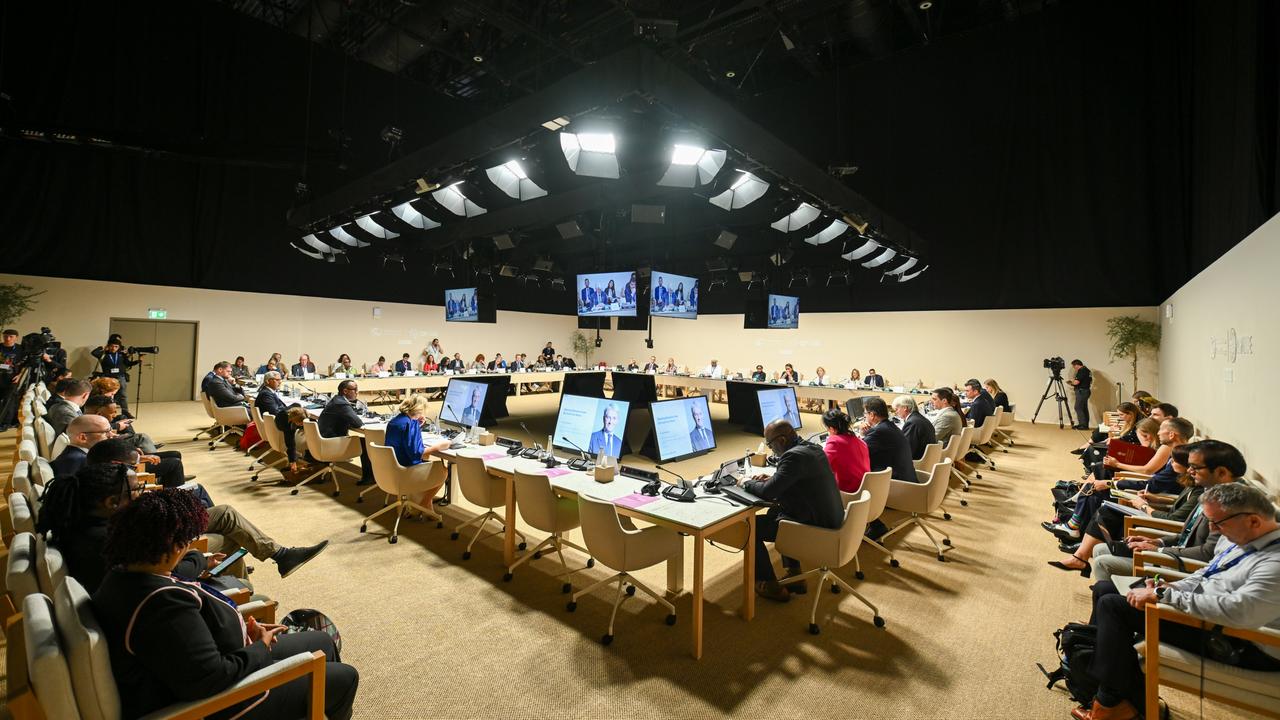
(371, 384)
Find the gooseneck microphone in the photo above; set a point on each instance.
(683, 493)
(576, 446)
(581, 464)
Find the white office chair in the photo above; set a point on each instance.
(920, 499)
(59, 444)
(876, 485)
(21, 576)
(20, 517)
(44, 438)
(966, 442)
(276, 455)
(983, 437)
(33, 492)
(27, 449)
(372, 435)
(255, 416)
(617, 544)
(544, 510)
(51, 570)
(1004, 431)
(402, 482)
(231, 421)
(931, 456)
(828, 548)
(329, 452)
(482, 490)
(213, 429)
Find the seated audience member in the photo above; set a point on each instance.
(568, 363)
(166, 465)
(221, 390)
(123, 427)
(478, 365)
(66, 404)
(1206, 463)
(916, 427)
(981, 406)
(758, 375)
(1237, 589)
(1164, 411)
(1126, 429)
(846, 453)
(82, 433)
(497, 364)
(342, 365)
(855, 377)
(949, 418)
(874, 379)
(343, 414)
(240, 371)
(998, 396)
(378, 367)
(887, 447)
(275, 360)
(805, 492)
(303, 366)
(289, 423)
(404, 436)
(714, 370)
(1171, 433)
(172, 640)
(403, 365)
(789, 374)
(269, 400)
(519, 362)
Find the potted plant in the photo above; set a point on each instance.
(15, 301)
(1129, 334)
(582, 347)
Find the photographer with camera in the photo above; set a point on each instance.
(114, 362)
(1083, 383)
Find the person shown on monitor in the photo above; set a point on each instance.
(661, 296)
(873, 379)
(693, 296)
(604, 440)
(587, 298)
(610, 294)
(630, 292)
(700, 437)
(450, 308)
(789, 412)
(474, 307)
(677, 298)
(775, 312)
(471, 413)
(786, 312)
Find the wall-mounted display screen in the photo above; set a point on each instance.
(607, 294)
(673, 296)
(461, 305)
(784, 311)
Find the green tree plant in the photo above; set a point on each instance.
(583, 347)
(1129, 335)
(16, 300)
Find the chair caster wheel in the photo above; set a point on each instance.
(893, 562)
(537, 555)
(946, 541)
(966, 488)
(359, 498)
(879, 621)
(993, 466)
(835, 589)
(946, 516)
(571, 606)
(466, 555)
(363, 528)
(335, 493)
(964, 503)
(566, 588)
(253, 479)
(439, 524)
(671, 619)
(453, 536)
(631, 590)
(591, 562)
(393, 540)
(606, 639)
(293, 491)
(506, 577)
(814, 629)
(941, 557)
(522, 546)
(860, 575)
(251, 466)
(978, 476)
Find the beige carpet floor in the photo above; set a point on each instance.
(435, 636)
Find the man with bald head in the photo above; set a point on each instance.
(83, 433)
(805, 492)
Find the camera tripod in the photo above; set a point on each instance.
(1058, 392)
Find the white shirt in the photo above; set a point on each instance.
(1243, 593)
(714, 371)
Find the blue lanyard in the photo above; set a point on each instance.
(1216, 566)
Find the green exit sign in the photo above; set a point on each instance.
(157, 313)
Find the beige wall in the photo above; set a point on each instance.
(1225, 397)
(1008, 345)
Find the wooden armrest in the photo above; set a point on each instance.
(1150, 558)
(263, 611)
(272, 676)
(239, 596)
(1130, 475)
(200, 544)
(1167, 526)
(1161, 498)
(1160, 611)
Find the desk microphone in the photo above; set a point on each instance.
(581, 464)
(817, 434)
(683, 493)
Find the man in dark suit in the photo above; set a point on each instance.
(605, 440)
(700, 437)
(886, 445)
(661, 296)
(981, 405)
(455, 363)
(497, 364)
(775, 312)
(588, 295)
(451, 308)
(342, 414)
(918, 429)
(873, 379)
(404, 364)
(66, 404)
(82, 433)
(269, 401)
(567, 363)
(805, 492)
(220, 389)
(303, 366)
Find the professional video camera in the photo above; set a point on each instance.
(147, 350)
(1055, 364)
(41, 343)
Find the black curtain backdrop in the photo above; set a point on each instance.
(1090, 154)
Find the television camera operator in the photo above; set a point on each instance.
(1082, 381)
(36, 357)
(114, 361)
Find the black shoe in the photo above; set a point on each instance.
(876, 529)
(1078, 451)
(290, 559)
(1068, 548)
(1085, 571)
(159, 445)
(771, 590)
(188, 478)
(364, 481)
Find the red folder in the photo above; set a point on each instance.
(1129, 453)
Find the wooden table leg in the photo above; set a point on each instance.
(749, 571)
(697, 598)
(509, 531)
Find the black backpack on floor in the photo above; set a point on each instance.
(1075, 644)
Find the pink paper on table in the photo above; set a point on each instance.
(492, 455)
(554, 472)
(634, 500)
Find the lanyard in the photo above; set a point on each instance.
(1216, 566)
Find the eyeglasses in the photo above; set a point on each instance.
(1219, 523)
(95, 432)
(1193, 468)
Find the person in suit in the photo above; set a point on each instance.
(106, 407)
(83, 433)
(916, 427)
(789, 411)
(998, 396)
(981, 406)
(652, 366)
(455, 363)
(171, 641)
(775, 312)
(519, 362)
(873, 379)
(700, 437)
(341, 415)
(587, 297)
(497, 364)
(805, 492)
(759, 375)
(473, 304)
(450, 308)
(115, 363)
(693, 296)
(630, 291)
(604, 440)
(403, 365)
(65, 405)
(303, 366)
(221, 390)
(887, 447)
(661, 296)
(269, 399)
(474, 410)
(949, 418)
(568, 363)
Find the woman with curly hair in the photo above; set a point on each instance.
(174, 641)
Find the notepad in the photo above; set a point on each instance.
(492, 455)
(634, 500)
(555, 472)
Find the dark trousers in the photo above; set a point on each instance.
(122, 395)
(290, 700)
(1113, 522)
(1115, 662)
(1082, 407)
(1087, 506)
(366, 467)
(169, 471)
(767, 531)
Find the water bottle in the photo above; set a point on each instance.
(549, 449)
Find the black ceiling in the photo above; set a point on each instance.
(1037, 155)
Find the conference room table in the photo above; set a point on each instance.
(581, 382)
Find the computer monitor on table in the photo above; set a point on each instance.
(853, 406)
(682, 428)
(463, 402)
(591, 425)
(778, 404)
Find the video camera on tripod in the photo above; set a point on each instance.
(40, 343)
(1055, 365)
(1056, 390)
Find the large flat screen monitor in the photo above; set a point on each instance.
(606, 294)
(461, 305)
(682, 428)
(778, 404)
(463, 402)
(592, 424)
(784, 311)
(854, 407)
(674, 296)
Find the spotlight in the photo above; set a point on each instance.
(599, 341)
(910, 263)
(718, 280)
(882, 258)
(511, 179)
(913, 275)
(692, 166)
(341, 235)
(410, 215)
(569, 230)
(853, 251)
(840, 276)
(799, 276)
(745, 190)
(725, 240)
(369, 225)
(717, 264)
(508, 271)
(745, 275)
(781, 256)
(556, 123)
(832, 231)
(798, 218)
(590, 154)
(451, 198)
(468, 250)
(757, 279)
(313, 254)
(543, 264)
(394, 259)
